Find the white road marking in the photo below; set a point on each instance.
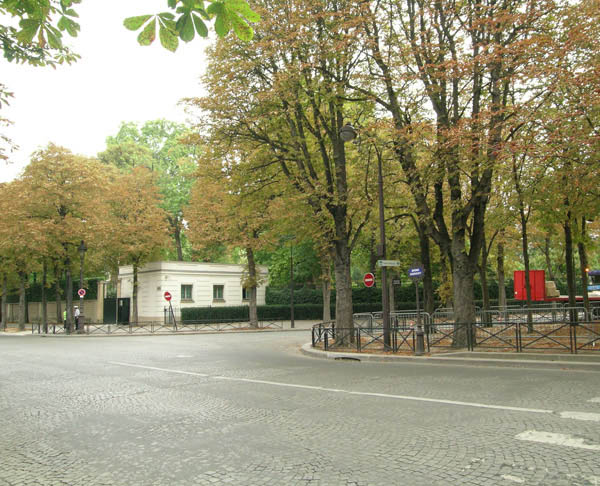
(593, 417)
(336, 390)
(514, 479)
(556, 439)
(594, 400)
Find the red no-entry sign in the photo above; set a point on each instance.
(81, 292)
(167, 296)
(369, 279)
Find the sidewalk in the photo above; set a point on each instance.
(585, 362)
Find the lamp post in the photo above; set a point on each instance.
(292, 324)
(348, 133)
(82, 249)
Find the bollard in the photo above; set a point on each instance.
(420, 346)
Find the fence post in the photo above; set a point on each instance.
(326, 341)
(518, 337)
(358, 346)
(312, 336)
(573, 328)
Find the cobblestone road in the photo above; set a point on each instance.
(249, 409)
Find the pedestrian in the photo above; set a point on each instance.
(65, 319)
(76, 318)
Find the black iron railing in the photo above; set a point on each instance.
(517, 336)
(160, 327)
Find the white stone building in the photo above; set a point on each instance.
(191, 284)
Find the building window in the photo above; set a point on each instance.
(186, 292)
(218, 292)
(245, 294)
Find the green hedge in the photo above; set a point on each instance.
(33, 293)
(301, 311)
(364, 295)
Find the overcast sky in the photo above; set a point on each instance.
(116, 80)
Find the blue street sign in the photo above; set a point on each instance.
(416, 272)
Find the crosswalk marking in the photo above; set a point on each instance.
(592, 417)
(557, 439)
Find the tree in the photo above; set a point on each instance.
(161, 146)
(225, 208)
(63, 200)
(285, 97)
(137, 223)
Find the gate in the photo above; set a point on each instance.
(114, 308)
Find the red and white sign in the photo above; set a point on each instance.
(167, 296)
(369, 279)
(81, 292)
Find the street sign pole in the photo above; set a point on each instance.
(416, 272)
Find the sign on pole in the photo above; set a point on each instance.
(167, 296)
(369, 279)
(388, 263)
(81, 293)
(416, 272)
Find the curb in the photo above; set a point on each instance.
(526, 361)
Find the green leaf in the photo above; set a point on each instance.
(185, 27)
(172, 3)
(200, 26)
(242, 8)
(166, 16)
(53, 39)
(168, 39)
(215, 8)
(29, 28)
(241, 28)
(134, 23)
(222, 24)
(148, 35)
(69, 25)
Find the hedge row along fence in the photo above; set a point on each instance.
(362, 295)
(265, 312)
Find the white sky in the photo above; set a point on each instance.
(116, 80)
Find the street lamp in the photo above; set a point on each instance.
(82, 249)
(347, 134)
(292, 324)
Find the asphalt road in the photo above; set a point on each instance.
(250, 409)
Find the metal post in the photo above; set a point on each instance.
(385, 298)
(420, 347)
(292, 324)
(80, 326)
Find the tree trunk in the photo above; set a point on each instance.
(57, 291)
(447, 301)
(44, 298)
(326, 288)
(525, 250)
(177, 235)
(500, 273)
(343, 301)
(69, 296)
(583, 264)
(392, 297)
(373, 257)
(251, 285)
(135, 293)
(22, 301)
(462, 279)
(547, 257)
(569, 263)
(4, 301)
(428, 297)
(485, 293)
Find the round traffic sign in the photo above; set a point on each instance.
(167, 296)
(369, 279)
(81, 292)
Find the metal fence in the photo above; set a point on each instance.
(160, 327)
(516, 336)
